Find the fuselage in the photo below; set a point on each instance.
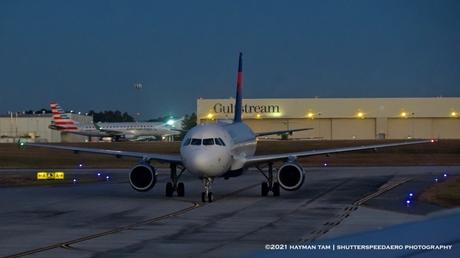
(211, 150)
(128, 129)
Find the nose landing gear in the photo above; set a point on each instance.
(207, 196)
(174, 185)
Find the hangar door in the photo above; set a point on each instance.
(353, 128)
(407, 128)
(446, 128)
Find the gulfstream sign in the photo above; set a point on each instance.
(228, 108)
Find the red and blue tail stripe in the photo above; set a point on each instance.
(62, 121)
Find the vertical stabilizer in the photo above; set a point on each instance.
(239, 90)
(62, 121)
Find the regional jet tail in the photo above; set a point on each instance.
(63, 123)
(221, 150)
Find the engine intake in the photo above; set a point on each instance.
(142, 177)
(291, 176)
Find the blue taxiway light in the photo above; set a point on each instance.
(445, 175)
(107, 177)
(80, 165)
(98, 173)
(411, 195)
(74, 180)
(408, 202)
(325, 164)
(436, 180)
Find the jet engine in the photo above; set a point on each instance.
(291, 176)
(142, 177)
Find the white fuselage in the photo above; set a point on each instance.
(212, 150)
(127, 129)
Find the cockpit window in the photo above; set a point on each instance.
(208, 141)
(219, 141)
(196, 141)
(187, 142)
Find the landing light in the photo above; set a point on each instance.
(170, 122)
(258, 115)
(310, 115)
(403, 114)
(360, 114)
(454, 114)
(210, 116)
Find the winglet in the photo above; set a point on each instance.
(239, 90)
(97, 126)
(21, 143)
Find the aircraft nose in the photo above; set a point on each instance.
(209, 162)
(199, 162)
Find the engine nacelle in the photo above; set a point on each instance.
(142, 177)
(291, 176)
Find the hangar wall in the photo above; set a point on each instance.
(344, 119)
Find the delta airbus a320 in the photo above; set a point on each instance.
(221, 150)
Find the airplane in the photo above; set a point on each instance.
(124, 130)
(209, 151)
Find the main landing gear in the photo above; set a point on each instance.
(174, 185)
(270, 184)
(207, 196)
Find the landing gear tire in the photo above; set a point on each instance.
(180, 189)
(264, 189)
(207, 198)
(169, 189)
(276, 189)
(203, 196)
(210, 197)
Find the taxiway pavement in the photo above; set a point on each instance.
(109, 219)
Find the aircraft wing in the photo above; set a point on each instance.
(293, 155)
(171, 158)
(281, 131)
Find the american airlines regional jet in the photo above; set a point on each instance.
(120, 130)
(221, 150)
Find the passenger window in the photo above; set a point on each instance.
(196, 141)
(187, 142)
(208, 141)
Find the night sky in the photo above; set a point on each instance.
(88, 54)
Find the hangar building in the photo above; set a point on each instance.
(344, 118)
(35, 128)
